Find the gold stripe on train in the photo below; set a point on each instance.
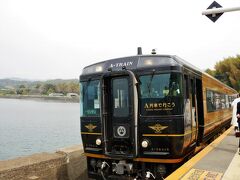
(91, 133)
(170, 135)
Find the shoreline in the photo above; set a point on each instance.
(63, 99)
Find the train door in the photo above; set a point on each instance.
(119, 115)
(194, 116)
(187, 112)
(200, 115)
(190, 112)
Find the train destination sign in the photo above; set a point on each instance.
(130, 63)
(120, 63)
(161, 106)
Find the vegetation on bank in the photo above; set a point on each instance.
(228, 71)
(20, 87)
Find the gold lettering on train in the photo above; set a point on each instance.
(160, 149)
(163, 106)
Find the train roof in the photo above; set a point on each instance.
(143, 62)
(138, 62)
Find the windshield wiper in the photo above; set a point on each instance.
(150, 83)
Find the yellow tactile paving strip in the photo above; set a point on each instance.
(199, 174)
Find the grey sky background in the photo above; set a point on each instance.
(49, 39)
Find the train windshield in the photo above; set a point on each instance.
(90, 98)
(161, 94)
(120, 97)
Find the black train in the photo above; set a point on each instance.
(144, 115)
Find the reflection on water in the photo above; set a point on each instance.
(28, 127)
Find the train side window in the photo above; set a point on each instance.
(223, 101)
(230, 101)
(227, 101)
(211, 103)
(217, 98)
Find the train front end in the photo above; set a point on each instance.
(131, 117)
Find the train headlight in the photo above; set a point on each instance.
(98, 142)
(148, 62)
(145, 143)
(99, 69)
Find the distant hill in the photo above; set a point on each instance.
(13, 83)
(57, 81)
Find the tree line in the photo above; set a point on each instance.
(45, 88)
(48, 88)
(227, 71)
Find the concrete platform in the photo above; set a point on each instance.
(219, 160)
(65, 164)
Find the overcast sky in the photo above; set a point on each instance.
(49, 39)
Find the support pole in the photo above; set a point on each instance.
(220, 10)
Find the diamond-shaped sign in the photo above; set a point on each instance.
(214, 17)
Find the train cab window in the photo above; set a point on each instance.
(160, 85)
(160, 93)
(120, 97)
(89, 98)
